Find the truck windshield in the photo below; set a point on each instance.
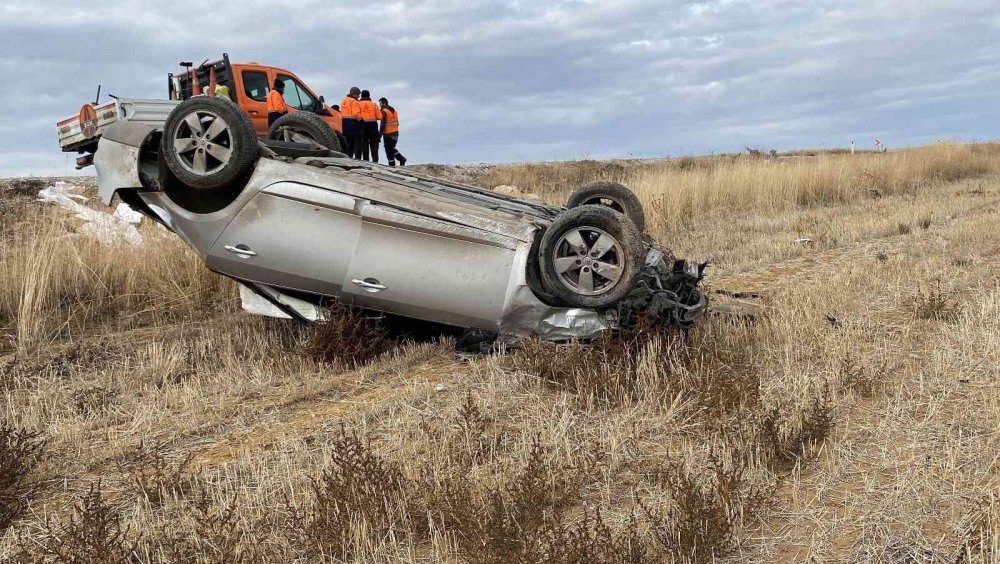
(297, 96)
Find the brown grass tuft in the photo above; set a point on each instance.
(613, 369)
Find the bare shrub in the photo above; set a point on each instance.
(783, 446)
(156, 479)
(358, 489)
(863, 380)
(20, 453)
(92, 535)
(591, 541)
(474, 443)
(982, 538)
(934, 304)
(503, 522)
(347, 336)
(220, 536)
(708, 507)
(817, 421)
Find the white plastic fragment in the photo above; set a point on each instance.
(105, 227)
(125, 213)
(439, 388)
(257, 305)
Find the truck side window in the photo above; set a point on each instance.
(297, 96)
(255, 85)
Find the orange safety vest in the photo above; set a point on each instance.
(276, 102)
(391, 120)
(349, 108)
(368, 110)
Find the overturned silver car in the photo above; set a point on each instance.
(298, 225)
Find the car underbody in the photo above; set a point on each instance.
(306, 226)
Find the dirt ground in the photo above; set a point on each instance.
(875, 353)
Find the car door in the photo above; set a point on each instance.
(254, 86)
(291, 235)
(430, 269)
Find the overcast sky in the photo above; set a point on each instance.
(535, 80)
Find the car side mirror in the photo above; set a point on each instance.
(322, 100)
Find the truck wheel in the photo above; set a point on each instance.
(209, 143)
(613, 195)
(590, 256)
(304, 127)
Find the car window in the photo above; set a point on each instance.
(255, 85)
(297, 96)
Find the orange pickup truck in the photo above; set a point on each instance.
(309, 120)
(249, 84)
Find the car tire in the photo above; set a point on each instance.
(590, 256)
(613, 195)
(305, 124)
(209, 143)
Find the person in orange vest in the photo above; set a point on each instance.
(350, 115)
(276, 106)
(370, 114)
(390, 133)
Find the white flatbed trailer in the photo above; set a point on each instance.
(80, 132)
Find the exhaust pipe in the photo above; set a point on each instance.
(84, 161)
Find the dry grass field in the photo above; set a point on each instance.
(145, 418)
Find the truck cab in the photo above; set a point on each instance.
(249, 84)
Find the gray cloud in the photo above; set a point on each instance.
(518, 80)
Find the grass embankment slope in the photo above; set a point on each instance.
(147, 418)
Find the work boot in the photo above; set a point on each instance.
(402, 160)
(392, 163)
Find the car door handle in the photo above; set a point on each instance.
(253, 112)
(369, 285)
(239, 251)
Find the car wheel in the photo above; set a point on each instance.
(613, 195)
(305, 127)
(590, 256)
(209, 143)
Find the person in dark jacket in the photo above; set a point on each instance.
(350, 115)
(370, 115)
(390, 133)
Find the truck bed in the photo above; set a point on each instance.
(148, 112)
